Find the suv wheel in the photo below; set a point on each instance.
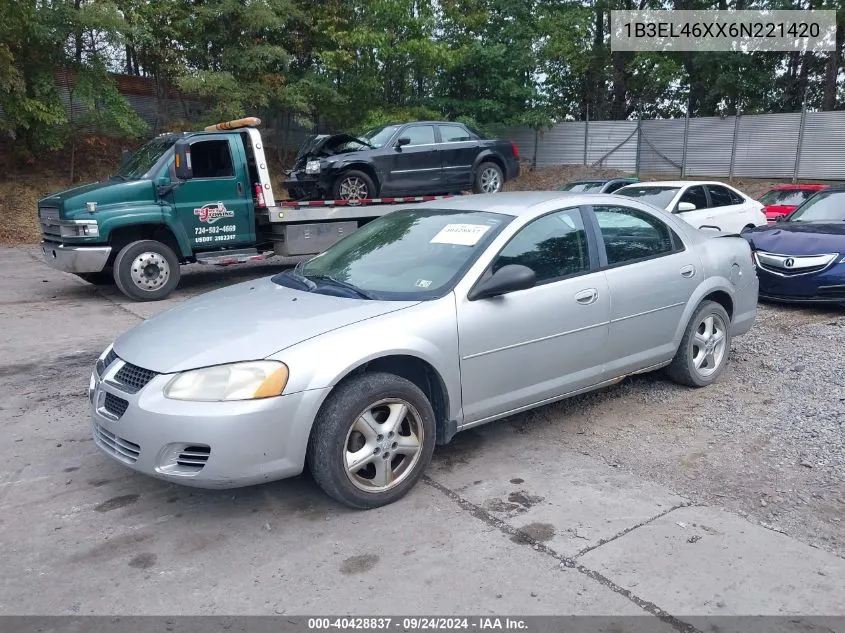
(146, 270)
(372, 440)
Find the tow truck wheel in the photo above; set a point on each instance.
(353, 185)
(146, 270)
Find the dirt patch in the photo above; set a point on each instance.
(143, 561)
(116, 503)
(358, 564)
(497, 505)
(524, 498)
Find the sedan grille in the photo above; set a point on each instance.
(122, 449)
(791, 265)
(114, 405)
(103, 365)
(134, 378)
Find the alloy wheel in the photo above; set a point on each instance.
(383, 445)
(490, 181)
(709, 344)
(353, 188)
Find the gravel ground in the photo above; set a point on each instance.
(766, 441)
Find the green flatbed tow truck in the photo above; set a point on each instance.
(198, 197)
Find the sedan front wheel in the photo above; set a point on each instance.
(372, 440)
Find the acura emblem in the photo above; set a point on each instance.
(789, 262)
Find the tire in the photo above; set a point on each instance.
(146, 270)
(338, 432)
(103, 278)
(488, 179)
(353, 185)
(689, 367)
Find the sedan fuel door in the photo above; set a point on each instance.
(651, 275)
(535, 344)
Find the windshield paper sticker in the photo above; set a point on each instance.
(463, 234)
(212, 212)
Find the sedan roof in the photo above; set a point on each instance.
(517, 203)
(674, 183)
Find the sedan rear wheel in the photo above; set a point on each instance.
(488, 178)
(705, 347)
(372, 440)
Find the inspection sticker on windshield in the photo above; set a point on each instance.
(463, 234)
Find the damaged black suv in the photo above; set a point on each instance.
(410, 159)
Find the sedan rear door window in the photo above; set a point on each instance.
(453, 134)
(631, 235)
(721, 196)
(553, 246)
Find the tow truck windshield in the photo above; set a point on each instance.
(141, 162)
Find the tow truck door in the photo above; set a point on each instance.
(215, 207)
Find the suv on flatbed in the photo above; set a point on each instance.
(423, 157)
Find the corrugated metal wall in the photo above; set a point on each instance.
(753, 146)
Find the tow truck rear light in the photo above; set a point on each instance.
(259, 197)
(515, 150)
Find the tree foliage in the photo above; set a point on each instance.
(351, 64)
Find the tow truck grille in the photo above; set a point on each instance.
(49, 217)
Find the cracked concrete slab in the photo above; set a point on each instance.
(704, 561)
(568, 501)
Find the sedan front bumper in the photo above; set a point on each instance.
(201, 444)
(75, 259)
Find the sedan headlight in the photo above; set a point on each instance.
(312, 167)
(238, 381)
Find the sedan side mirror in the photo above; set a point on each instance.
(403, 141)
(686, 206)
(182, 160)
(507, 279)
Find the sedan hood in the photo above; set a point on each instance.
(247, 321)
(324, 144)
(798, 238)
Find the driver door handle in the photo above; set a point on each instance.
(687, 271)
(588, 296)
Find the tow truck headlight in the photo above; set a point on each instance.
(83, 228)
(237, 381)
(312, 167)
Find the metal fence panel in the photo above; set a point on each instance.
(662, 147)
(562, 145)
(709, 145)
(613, 144)
(766, 145)
(822, 152)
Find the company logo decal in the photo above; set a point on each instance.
(212, 212)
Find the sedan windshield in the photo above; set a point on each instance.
(142, 161)
(825, 206)
(380, 135)
(786, 197)
(659, 197)
(583, 186)
(409, 254)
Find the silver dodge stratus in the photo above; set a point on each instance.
(425, 322)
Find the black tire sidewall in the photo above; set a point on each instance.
(371, 187)
(682, 369)
(122, 273)
(326, 445)
(476, 184)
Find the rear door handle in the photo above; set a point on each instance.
(240, 189)
(687, 271)
(587, 296)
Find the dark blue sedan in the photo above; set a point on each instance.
(801, 259)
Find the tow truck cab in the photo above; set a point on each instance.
(178, 198)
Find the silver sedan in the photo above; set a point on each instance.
(425, 322)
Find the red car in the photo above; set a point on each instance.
(783, 200)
